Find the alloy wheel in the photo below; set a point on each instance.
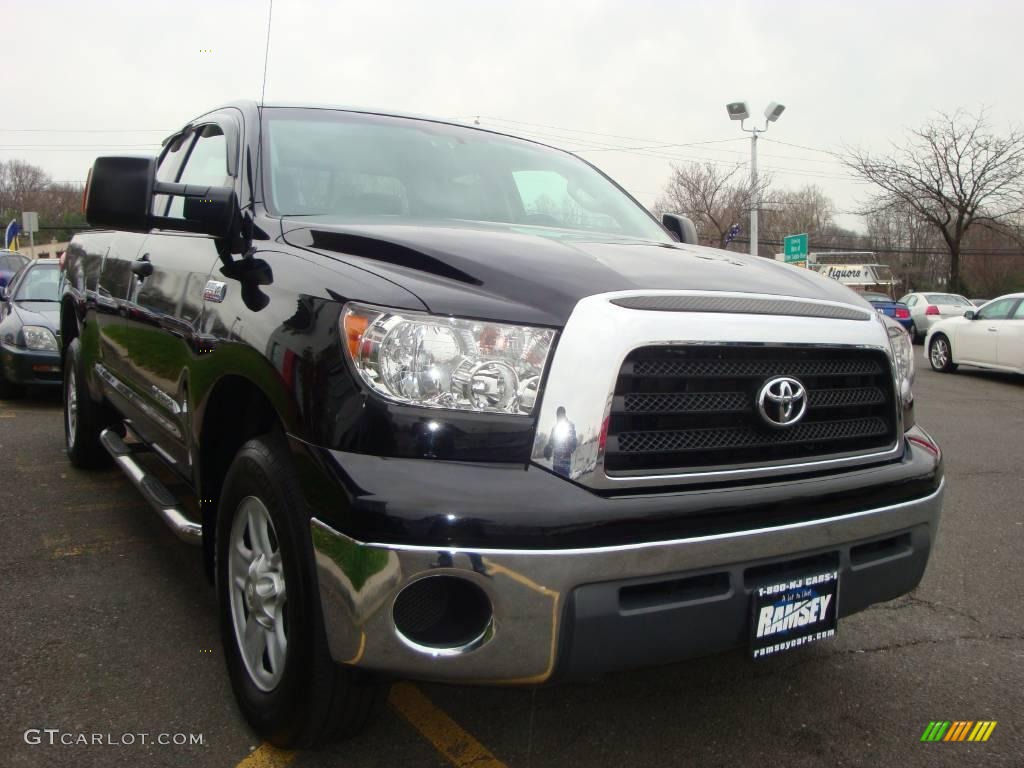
(71, 407)
(939, 354)
(258, 595)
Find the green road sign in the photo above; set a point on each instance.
(795, 248)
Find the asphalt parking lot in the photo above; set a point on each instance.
(109, 627)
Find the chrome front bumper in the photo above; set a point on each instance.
(529, 589)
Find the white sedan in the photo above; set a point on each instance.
(989, 337)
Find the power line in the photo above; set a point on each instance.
(802, 146)
(656, 144)
(663, 146)
(817, 174)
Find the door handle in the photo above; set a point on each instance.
(993, 330)
(142, 268)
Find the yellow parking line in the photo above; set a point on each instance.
(267, 756)
(447, 736)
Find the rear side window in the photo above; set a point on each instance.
(1018, 313)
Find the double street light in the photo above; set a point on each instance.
(738, 110)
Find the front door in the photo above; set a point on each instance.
(979, 340)
(166, 306)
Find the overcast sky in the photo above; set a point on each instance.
(641, 71)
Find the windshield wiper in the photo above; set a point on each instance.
(49, 301)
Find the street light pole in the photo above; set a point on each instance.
(738, 110)
(754, 196)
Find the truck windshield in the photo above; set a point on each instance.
(379, 168)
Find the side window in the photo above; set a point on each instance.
(168, 169)
(909, 300)
(1018, 313)
(997, 310)
(207, 164)
(547, 202)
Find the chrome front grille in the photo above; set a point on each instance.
(693, 407)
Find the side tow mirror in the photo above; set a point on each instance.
(969, 314)
(681, 227)
(119, 195)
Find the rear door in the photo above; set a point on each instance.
(1010, 348)
(166, 305)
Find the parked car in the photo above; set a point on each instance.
(10, 262)
(979, 302)
(29, 323)
(989, 337)
(928, 308)
(889, 307)
(456, 407)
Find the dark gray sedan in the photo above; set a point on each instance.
(29, 327)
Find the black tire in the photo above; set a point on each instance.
(940, 354)
(915, 337)
(314, 700)
(84, 418)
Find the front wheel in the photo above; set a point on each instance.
(286, 683)
(940, 355)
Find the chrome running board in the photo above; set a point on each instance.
(152, 489)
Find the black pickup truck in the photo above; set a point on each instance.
(453, 406)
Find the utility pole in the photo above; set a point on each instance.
(754, 193)
(738, 110)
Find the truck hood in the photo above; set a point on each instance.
(537, 275)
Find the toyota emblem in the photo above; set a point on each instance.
(782, 402)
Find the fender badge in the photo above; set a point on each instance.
(214, 291)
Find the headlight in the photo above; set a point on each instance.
(39, 338)
(903, 356)
(444, 362)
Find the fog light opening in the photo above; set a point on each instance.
(443, 615)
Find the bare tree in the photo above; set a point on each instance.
(27, 187)
(993, 261)
(715, 197)
(953, 173)
(793, 212)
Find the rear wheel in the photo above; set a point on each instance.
(940, 354)
(84, 418)
(915, 337)
(286, 683)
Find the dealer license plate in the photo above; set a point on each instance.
(793, 613)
